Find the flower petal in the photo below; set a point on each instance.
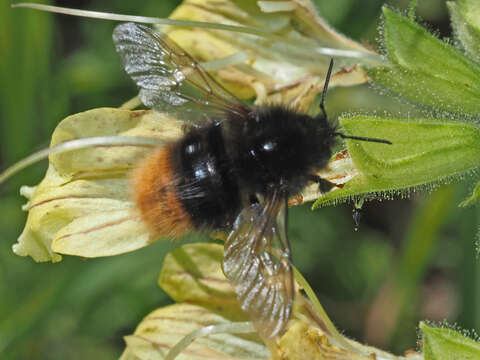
(108, 122)
(192, 273)
(104, 233)
(280, 60)
(303, 341)
(81, 202)
(165, 327)
(53, 207)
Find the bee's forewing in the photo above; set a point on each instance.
(170, 80)
(257, 261)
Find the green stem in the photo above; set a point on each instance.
(419, 246)
(411, 9)
(332, 331)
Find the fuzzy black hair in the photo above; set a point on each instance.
(275, 145)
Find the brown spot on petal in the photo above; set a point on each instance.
(295, 200)
(138, 113)
(344, 70)
(342, 155)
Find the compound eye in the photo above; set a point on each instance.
(269, 146)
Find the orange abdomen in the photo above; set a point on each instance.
(156, 197)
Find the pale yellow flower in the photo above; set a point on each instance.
(83, 205)
(287, 65)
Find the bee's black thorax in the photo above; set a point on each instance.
(219, 165)
(275, 146)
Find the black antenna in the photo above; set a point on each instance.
(325, 88)
(361, 138)
(322, 107)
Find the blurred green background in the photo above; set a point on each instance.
(412, 258)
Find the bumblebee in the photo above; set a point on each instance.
(234, 169)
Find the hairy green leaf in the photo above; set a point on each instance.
(423, 151)
(425, 69)
(465, 16)
(444, 343)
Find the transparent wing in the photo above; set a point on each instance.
(257, 261)
(169, 78)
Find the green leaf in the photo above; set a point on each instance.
(424, 151)
(443, 343)
(425, 69)
(426, 89)
(465, 16)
